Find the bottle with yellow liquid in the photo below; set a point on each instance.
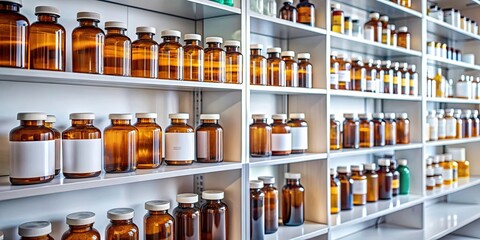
(440, 83)
(334, 192)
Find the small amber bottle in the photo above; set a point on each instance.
(288, 11)
(15, 30)
(257, 211)
(121, 225)
(344, 75)
(372, 182)
(385, 179)
(358, 78)
(335, 203)
(305, 71)
(475, 124)
(359, 185)
(275, 68)
(351, 131)
(306, 12)
(346, 187)
(209, 139)
(463, 165)
(149, 141)
(193, 58)
(335, 71)
(378, 130)
(81, 227)
(335, 134)
(291, 68)
(271, 204)
(459, 123)
(120, 144)
(390, 129)
(397, 78)
(88, 42)
(38, 230)
(372, 30)
(145, 53)
(403, 37)
(430, 179)
(47, 40)
(179, 140)
(467, 123)
(281, 136)
(299, 131)
(158, 223)
(413, 85)
(51, 119)
(366, 130)
(370, 75)
(260, 136)
(385, 30)
(393, 35)
(214, 216)
(187, 217)
(395, 178)
(403, 128)
(170, 56)
(448, 171)
(215, 58)
(338, 24)
(405, 81)
(258, 65)
(388, 76)
(293, 200)
(118, 49)
(234, 62)
(451, 124)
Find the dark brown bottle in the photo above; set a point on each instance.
(88, 42)
(121, 225)
(335, 133)
(306, 13)
(209, 139)
(305, 70)
(385, 179)
(271, 204)
(372, 182)
(120, 145)
(158, 223)
(293, 200)
(179, 140)
(257, 212)
(403, 128)
(258, 65)
(14, 30)
(395, 178)
(38, 230)
(378, 130)
(390, 129)
(187, 217)
(288, 11)
(234, 62)
(214, 216)
(81, 227)
(170, 56)
(281, 136)
(351, 131)
(193, 57)
(275, 68)
(346, 187)
(291, 68)
(260, 136)
(366, 130)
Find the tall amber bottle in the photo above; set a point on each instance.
(291, 68)
(335, 71)
(145, 53)
(372, 30)
(257, 211)
(305, 70)
(397, 78)
(475, 124)
(14, 29)
(388, 76)
(209, 139)
(193, 58)
(47, 40)
(403, 128)
(378, 130)
(351, 131)
(306, 12)
(275, 68)
(467, 124)
(405, 81)
(121, 225)
(120, 145)
(385, 179)
(88, 42)
(158, 223)
(179, 140)
(214, 60)
(118, 49)
(271, 204)
(81, 227)
(346, 187)
(187, 217)
(260, 136)
(413, 84)
(258, 65)
(335, 203)
(390, 129)
(358, 78)
(395, 178)
(214, 216)
(170, 56)
(359, 185)
(344, 73)
(335, 133)
(149, 145)
(281, 136)
(403, 37)
(459, 123)
(370, 75)
(372, 182)
(338, 24)
(293, 200)
(234, 62)
(385, 30)
(51, 119)
(366, 130)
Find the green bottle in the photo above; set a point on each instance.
(404, 176)
(218, 1)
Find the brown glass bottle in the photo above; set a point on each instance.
(346, 187)
(351, 131)
(378, 130)
(413, 85)
(271, 204)
(118, 50)
(288, 11)
(395, 178)
(344, 74)
(405, 81)
(370, 75)
(388, 75)
(335, 71)
(214, 64)
(379, 80)
(372, 182)
(121, 225)
(366, 130)
(179, 140)
(29, 137)
(475, 124)
(281, 136)
(51, 119)
(158, 223)
(260, 136)
(81, 227)
(213, 216)
(145, 53)
(358, 78)
(258, 65)
(293, 200)
(385, 179)
(459, 124)
(403, 129)
(275, 68)
(209, 139)
(372, 30)
(466, 123)
(359, 185)
(299, 131)
(306, 13)
(193, 58)
(149, 145)
(334, 193)
(257, 212)
(291, 68)
(403, 37)
(386, 37)
(187, 217)
(170, 56)
(305, 70)
(393, 35)
(120, 145)
(390, 129)
(38, 230)
(397, 78)
(88, 42)
(14, 38)
(234, 62)
(335, 134)
(338, 24)
(47, 40)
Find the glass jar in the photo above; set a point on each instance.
(179, 140)
(378, 130)
(430, 179)
(158, 223)
(358, 78)
(275, 68)
(346, 187)
(390, 129)
(442, 125)
(338, 24)
(335, 133)
(370, 75)
(14, 38)
(88, 42)
(396, 177)
(187, 217)
(385, 179)
(344, 79)
(257, 211)
(271, 204)
(293, 200)
(281, 136)
(372, 182)
(351, 131)
(403, 37)
(366, 130)
(403, 129)
(149, 145)
(209, 139)
(35, 230)
(145, 53)
(335, 204)
(260, 136)
(450, 124)
(270, 8)
(32, 150)
(120, 145)
(372, 30)
(288, 11)
(475, 124)
(193, 58)
(258, 65)
(305, 70)
(234, 62)
(51, 119)
(412, 71)
(335, 71)
(306, 12)
(299, 130)
(214, 216)
(467, 124)
(359, 185)
(459, 124)
(81, 227)
(118, 49)
(121, 225)
(47, 40)
(385, 30)
(170, 56)
(387, 77)
(256, 6)
(291, 68)
(215, 59)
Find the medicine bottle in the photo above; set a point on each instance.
(351, 131)
(403, 128)
(120, 144)
(403, 37)
(260, 136)
(378, 130)
(170, 56)
(193, 58)
(118, 49)
(358, 78)
(187, 217)
(467, 124)
(15, 34)
(346, 187)
(385, 179)
(430, 179)
(149, 145)
(32, 150)
(234, 62)
(475, 124)
(121, 225)
(209, 139)
(81, 227)
(288, 11)
(432, 121)
(397, 78)
(257, 212)
(450, 169)
(438, 171)
(451, 124)
(214, 216)
(305, 70)
(338, 24)
(366, 130)
(370, 75)
(412, 70)
(372, 30)
(291, 68)
(335, 133)
(35, 230)
(145, 53)
(335, 203)
(386, 37)
(388, 76)
(458, 156)
(158, 223)
(88, 42)
(442, 125)
(179, 140)
(215, 58)
(359, 185)
(47, 40)
(440, 83)
(372, 182)
(299, 131)
(405, 81)
(404, 172)
(270, 8)
(275, 68)
(344, 78)
(51, 119)
(335, 71)
(459, 123)
(393, 35)
(271, 204)
(281, 136)
(293, 200)
(258, 65)
(348, 26)
(306, 12)
(396, 177)
(390, 129)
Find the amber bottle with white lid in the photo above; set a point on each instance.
(214, 63)
(15, 30)
(149, 141)
(234, 62)
(281, 135)
(121, 225)
(81, 227)
(214, 216)
(120, 144)
(158, 223)
(299, 132)
(209, 139)
(193, 58)
(187, 217)
(51, 119)
(293, 200)
(271, 203)
(38, 230)
(145, 53)
(291, 68)
(258, 65)
(275, 68)
(305, 70)
(179, 140)
(88, 42)
(260, 136)
(257, 211)
(118, 49)
(170, 56)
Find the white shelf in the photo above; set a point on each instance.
(362, 151)
(444, 218)
(452, 142)
(446, 30)
(463, 183)
(306, 231)
(293, 158)
(457, 4)
(385, 7)
(457, 237)
(286, 90)
(386, 231)
(454, 100)
(280, 28)
(450, 64)
(383, 96)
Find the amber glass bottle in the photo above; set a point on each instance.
(390, 129)
(475, 124)
(271, 204)
(88, 42)
(395, 178)
(387, 76)
(214, 216)
(305, 70)
(378, 130)
(81, 227)
(451, 124)
(299, 131)
(14, 38)
(170, 56)
(335, 203)
(293, 200)
(234, 62)
(335, 71)
(403, 37)
(39, 230)
(412, 71)
(459, 123)
(145, 53)
(187, 217)
(366, 130)
(47, 40)
(359, 185)
(193, 58)
(386, 37)
(467, 123)
(351, 131)
(372, 182)
(306, 12)
(118, 49)
(288, 11)
(338, 24)
(281, 136)
(346, 187)
(258, 65)
(209, 139)
(393, 35)
(51, 119)
(372, 30)
(291, 68)
(403, 129)
(358, 78)
(275, 68)
(257, 211)
(215, 57)
(260, 136)
(335, 134)
(121, 225)
(397, 78)
(158, 223)
(120, 145)
(385, 179)
(344, 78)
(149, 145)
(405, 81)
(179, 140)
(370, 75)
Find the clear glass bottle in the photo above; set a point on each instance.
(372, 30)
(335, 201)
(170, 56)
(305, 70)
(193, 58)
(275, 68)
(215, 59)
(257, 211)
(281, 136)
(366, 130)
(351, 131)
(306, 12)
(387, 77)
(390, 129)
(385, 179)
(291, 68)
(214, 216)
(335, 133)
(38, 230)
(412, 71)
(403, 129)
(88, 42)
(442, 125)
(344, 79)
(179, 140)
(299, 130)
(467, 124)
(386, 37)
(270, 8)
(187, 217)
(118, 49)
(209, 139)
(81, 227)
(378, 130)
(258, 65)
(288, 11)
(372, 182)
(120, 145)
(475, 124)
(233, 62)
(395, 178)
(256, 6)
(359, 185)
(346, 188)
(51, 119)
(158, 223)
(293, 200)
(271, 204)
(403, 37)
(335, 71)
(145, 53)
(149, 145)
(358, 74)
(121, 225)
(450, 124)
(260, 136)
(370, 75)
(338, 24)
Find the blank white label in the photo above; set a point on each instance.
(32, 159)
(344, 76)
(202, 144)
(299, 138)
(179, 146)
(447, 174)
(442, 129)
(58, 153)
(450, 128)
(82, 155)
(369, 34)
(359, 187)
(431, 181)
(333, 78)
(282, 142)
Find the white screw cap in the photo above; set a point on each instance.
(187, 198)
(82, 116)
(303, 56)
(179, 116)
(209, 116)
(80, 218)
(47, 10)
(171, 33)
(157, 205)
(214, 40)
(232, 43)
(191, 36)
(274, 50)
(288, 54)
(31, 116)
(120, 214)
(146, 30)
(120, 116)
(259, 116)
(293, 175)
(279, 116)
(256, 184)
(146, 115)
(256, 46)
(213, 195)
(267, 179)
(35, 229)
(51, 119)
(88, 15)
(115, 24)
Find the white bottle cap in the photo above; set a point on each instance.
(274, 50)
(214, 40)
(187, 198)
(279, 116)
(192, 36)
(389, 115)
(384, 18)
(365, 116)
(436, 159)
(429, 160)
(350, 115)
(403, 29)
(378, 115)
(256, 46)
(374, 15)
(146, 30)
(342, 169)
(402, 115)
(213, 195)
(120, 116)
(342, 55)
(430, 171)
(335, 6)
(88, 15)
(179, 116)
(82, 116)
(171, 33)
(120, 214)
(157, 205)
(146, 115)
(297, 115)
(80, 218)
(289, 175)
(386, 62)
(15, 1)
(333, 53)
(356, 167)
(51, 119)
(332, 116)
(209, 116)
(303, 56)
(115, 24)
(458, 154)
(31, 116)
(384, 162)
(232, 43)
(357, 58)
(370, 166)
(47, 10)
(259, 116)
(332, 171)
(35, 229)
(288, 54)
(402, 162)
(267, 179)
(256, 184)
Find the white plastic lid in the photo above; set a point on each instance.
(384, 162)
(370, 166)
(267, 179)
(356, 167)
(51, 119)
(365, 116)
(357, 58)
(274, 50)
(279, 116)
(31, 116)
(458, 154)
(384, 18)
(288, 54)
(47, 10)
(386, 62)
(80, 218)
(438, 171)
(259, 116)
(187, 198)
(389, 115)
(213, 195)
(402, 115)
(232, 43)
(403, 29)
(402, 162)
(342, 55)
(115, 24)
(157, 205)
(350, 115)
(214, 40)
(256, 184)
(146, 30)
(378, 115)
(289, 175)
(179, 116)
(430, 172)
(88, 15)
(120, 214)
(14, 1)
(332, 171)
(171, 33)
(436, 159)
(256, 46)
(288, 1)
(335, 6)
(192, 36)
(120, 116)
(35, 229)
(146, 115)
(303, 56)
(332, 116)
(297, 115)
(209, 116)
(374, 15)
(82, 116)
(342, 169)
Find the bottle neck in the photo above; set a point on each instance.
(145, 120)
(49, 124)
(192, 42)
(293, 181)
(263, 120)
(255, 51)
(122, 222)
(81, 228)
(356, 173)
(214, 201)
(211, 121)
(232, 48)
(179, 121)
(82, 122)
(88, 22)
(118, 122)
(32, 123)
(274, 55)
(279, 121)
(145, 36)
(120, 31)
(8, 6)
(171, 39)
(287, 58)
(186, 205)
(162, 212)
(47, 18)
(214, 45)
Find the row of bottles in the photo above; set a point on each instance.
(369, 185)
(303, 13)
(446, 169)
(372, 75)
(467, 87)
(442, 50)
(279, 138)
(280, 68)
(453, 17)
(452, 124)
(383, 129)
(188, 222)
(37, 149)
(264, 204)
